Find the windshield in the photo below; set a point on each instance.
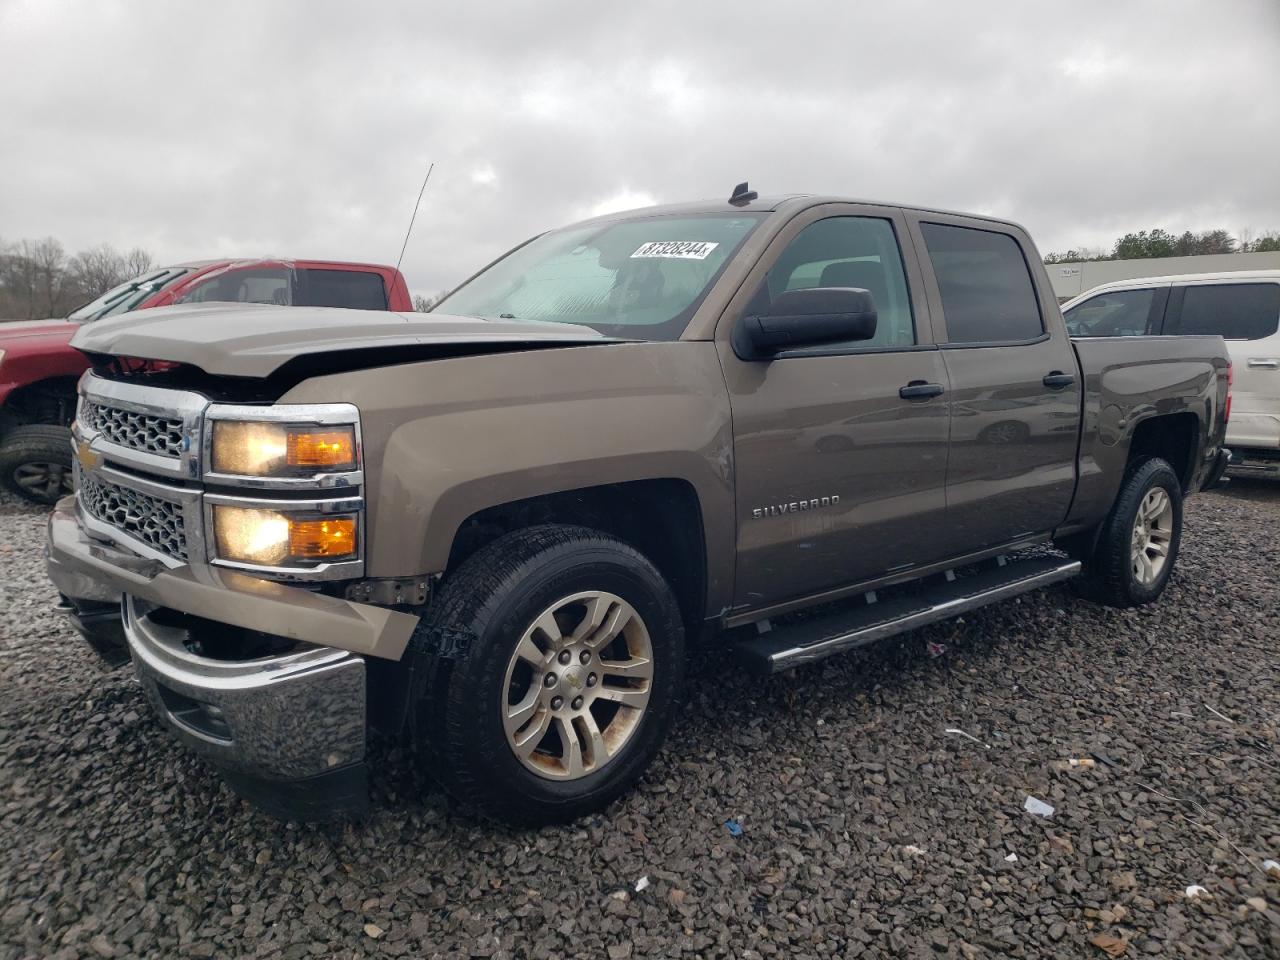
(638, 279)
(128, 295)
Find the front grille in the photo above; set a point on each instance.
(148, 519)
(137, 431)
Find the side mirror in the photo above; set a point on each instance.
(806, 318)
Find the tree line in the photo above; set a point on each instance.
(39, 279)
(1161, 243)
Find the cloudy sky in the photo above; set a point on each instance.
(304, 128)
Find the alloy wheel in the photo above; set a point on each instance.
(1152, 536)
(43, 480)
(577, 685)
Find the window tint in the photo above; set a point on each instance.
(340, 288)
(857, 252)
(987, 294)
(1235, 311)
(1123, 313)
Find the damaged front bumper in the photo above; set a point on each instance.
(287, 730)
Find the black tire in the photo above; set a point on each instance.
(36, 447)
(1110, 577)
(468, 638)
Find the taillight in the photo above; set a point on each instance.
(1226, 411)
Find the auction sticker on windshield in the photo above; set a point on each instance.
(676, 249)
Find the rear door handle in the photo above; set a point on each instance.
(1057, 380)
(1267, 364)
(920, 390)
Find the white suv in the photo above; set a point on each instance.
(1243, 308)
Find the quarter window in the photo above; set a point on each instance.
(1234, 311)
(985, 284)
(860, 252)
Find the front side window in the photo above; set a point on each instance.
(985, 284)
(1123, 313)
(1234, 311)
(859, 252)
(639, 278)
(260, 285)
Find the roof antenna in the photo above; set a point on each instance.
(415, 216)
(742, 196)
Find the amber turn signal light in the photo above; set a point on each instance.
(322, 539)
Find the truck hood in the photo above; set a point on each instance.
(256, 340)
(21, 329)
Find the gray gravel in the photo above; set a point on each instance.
(867, 830)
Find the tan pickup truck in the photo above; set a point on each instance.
(497, 530)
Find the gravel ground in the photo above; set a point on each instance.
(867, 829)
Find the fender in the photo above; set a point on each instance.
(28, 360)
(1124, 388)
(444, 439)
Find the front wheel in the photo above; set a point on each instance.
(35, 462)
(1138, 545)
(556, 657)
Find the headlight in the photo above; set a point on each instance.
(273, 538)
(264, 449)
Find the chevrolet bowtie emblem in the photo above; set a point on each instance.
(88, 459)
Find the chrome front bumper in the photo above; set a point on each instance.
(286, 717)
(287, 731)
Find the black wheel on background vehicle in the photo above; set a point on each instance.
(566, 656)
(1138, 545)
(35, 462)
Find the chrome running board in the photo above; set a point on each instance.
(785, 647)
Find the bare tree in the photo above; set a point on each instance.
(99, 269)
(137, 262)
(426, 304)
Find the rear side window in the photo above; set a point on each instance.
(1234, 311)
(1124, 313)
(986, 288)
(340, 288)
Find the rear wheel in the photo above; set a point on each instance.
(35, 462)
(1138, 545)
(567, 658)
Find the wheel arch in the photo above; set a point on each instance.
(661, 517)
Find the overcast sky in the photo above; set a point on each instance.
(304, 129)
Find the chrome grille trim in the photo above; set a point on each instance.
(151, 520)
(137, 431)
(165, 523)
(153, 430)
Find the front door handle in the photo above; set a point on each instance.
(1265, 363)
(1057, 380)
(920, 390)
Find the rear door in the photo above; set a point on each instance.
(839, 478)
(1015, 391)
(1247, 316)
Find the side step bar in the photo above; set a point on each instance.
(783, 648)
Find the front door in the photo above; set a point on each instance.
(1015, 391)
(839, 478)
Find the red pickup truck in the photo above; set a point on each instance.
(39, 368)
